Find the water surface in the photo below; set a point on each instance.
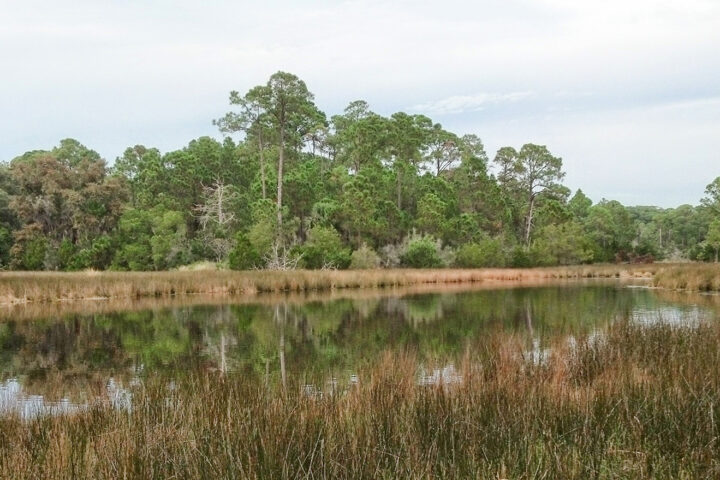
(61, 363)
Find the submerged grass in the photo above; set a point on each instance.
(25, 287)
(638, 402)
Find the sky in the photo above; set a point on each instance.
(626, 92)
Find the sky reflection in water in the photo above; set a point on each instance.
(65, 364)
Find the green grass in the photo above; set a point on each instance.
(642, 402)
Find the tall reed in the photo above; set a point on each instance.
(638, 402)
(24, 287)
(697, 276)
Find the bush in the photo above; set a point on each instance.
(417, 251)
(324, 249)
(168, 244)
(520, 258)
(65, 254)
(244, 256)
(421, 253)
(29, 251)
(563, 244)
(485, 253)
(364, 258)
(6, 243)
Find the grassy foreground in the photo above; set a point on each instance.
(640, 402)
(23, 287)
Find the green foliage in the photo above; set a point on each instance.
(368, 180)
(421, 253)
(432, 215)
(520, 258)
(65, 255)
(485, 253)
(263, 232)
(244, 256)
(324, 249)
(97, 256)
(6, 243)
(563, 244)
(168, 243)
(611, 229)
(712, 196)
(134, 233)
(364, 258)
(29, 251)
(713, 237)
(579, 205)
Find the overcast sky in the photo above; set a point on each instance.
(626, 92)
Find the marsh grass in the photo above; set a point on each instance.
(697, 277)
(638, 402)
(44, 287)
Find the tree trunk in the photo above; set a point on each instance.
(281, 160)
(221, 194)
(261, 146)
(528, 225)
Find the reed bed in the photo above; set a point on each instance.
(638, 402)
(38, 310)
(43, 287)
(698, 277)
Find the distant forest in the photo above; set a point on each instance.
(290, 188)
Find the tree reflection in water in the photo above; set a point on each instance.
(61, 363)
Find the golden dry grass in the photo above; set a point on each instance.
(43, 287)
(696, 276)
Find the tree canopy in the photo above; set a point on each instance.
(289, 188)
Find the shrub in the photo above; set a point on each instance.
(65, 254)
(417, 251)
(168, 244)
(364, 258)
(520, 258)
(6, 243)
(421, 253)
(324, 248)
(30, 250)
(563, 244)
(485, 253)
(244, 256)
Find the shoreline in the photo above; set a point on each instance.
(36, 310)
(22, 288)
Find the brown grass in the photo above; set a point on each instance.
(701, 277)
(29, 310)
(44, 287)
(622, 407)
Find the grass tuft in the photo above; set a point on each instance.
(638, 402)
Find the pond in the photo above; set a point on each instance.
(61, 363)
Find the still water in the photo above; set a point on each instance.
(62, 363)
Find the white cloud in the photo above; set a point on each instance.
(114, 74)
(467, 103)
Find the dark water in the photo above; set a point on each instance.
(63, 363)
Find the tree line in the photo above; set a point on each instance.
(289, 187)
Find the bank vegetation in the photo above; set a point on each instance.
(48, 287)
